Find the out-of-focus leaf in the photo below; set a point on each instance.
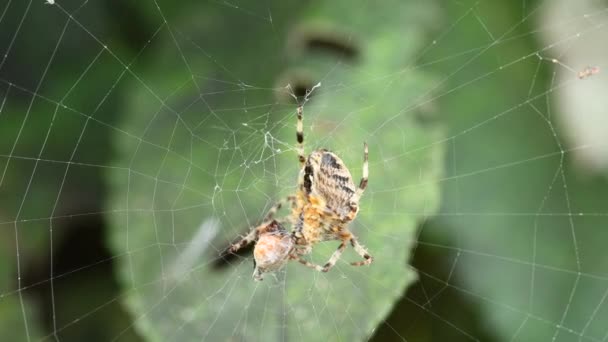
(58, 95)
(206, 139)
(529, 231)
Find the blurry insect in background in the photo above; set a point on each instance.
(588, 71)
(325, 203)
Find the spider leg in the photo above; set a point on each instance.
(338, 253)
(309, 264)
(275, 208)
(266, 226)
(363, 182)
(247, 239)
(362, 252)
(300, 137)
(354, 200)
(335, 257)
(330, 263)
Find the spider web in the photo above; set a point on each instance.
(118, 124)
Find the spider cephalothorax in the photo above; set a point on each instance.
(327, 200)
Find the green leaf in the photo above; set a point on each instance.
(199, 167)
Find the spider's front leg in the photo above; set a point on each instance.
(300, 137)
(227, 253)
(255, 232)
(275, 208)
(245, 240)
(364, 177)
(354, 200)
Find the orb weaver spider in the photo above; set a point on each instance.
(325, 203)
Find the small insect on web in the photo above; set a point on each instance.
(326, 201)
(588, 71)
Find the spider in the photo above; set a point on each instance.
(325, 202)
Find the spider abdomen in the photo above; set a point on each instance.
(331, 180)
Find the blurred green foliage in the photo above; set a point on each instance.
(225, 150)
(54, 144)
(206, 131)
(517, 220)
